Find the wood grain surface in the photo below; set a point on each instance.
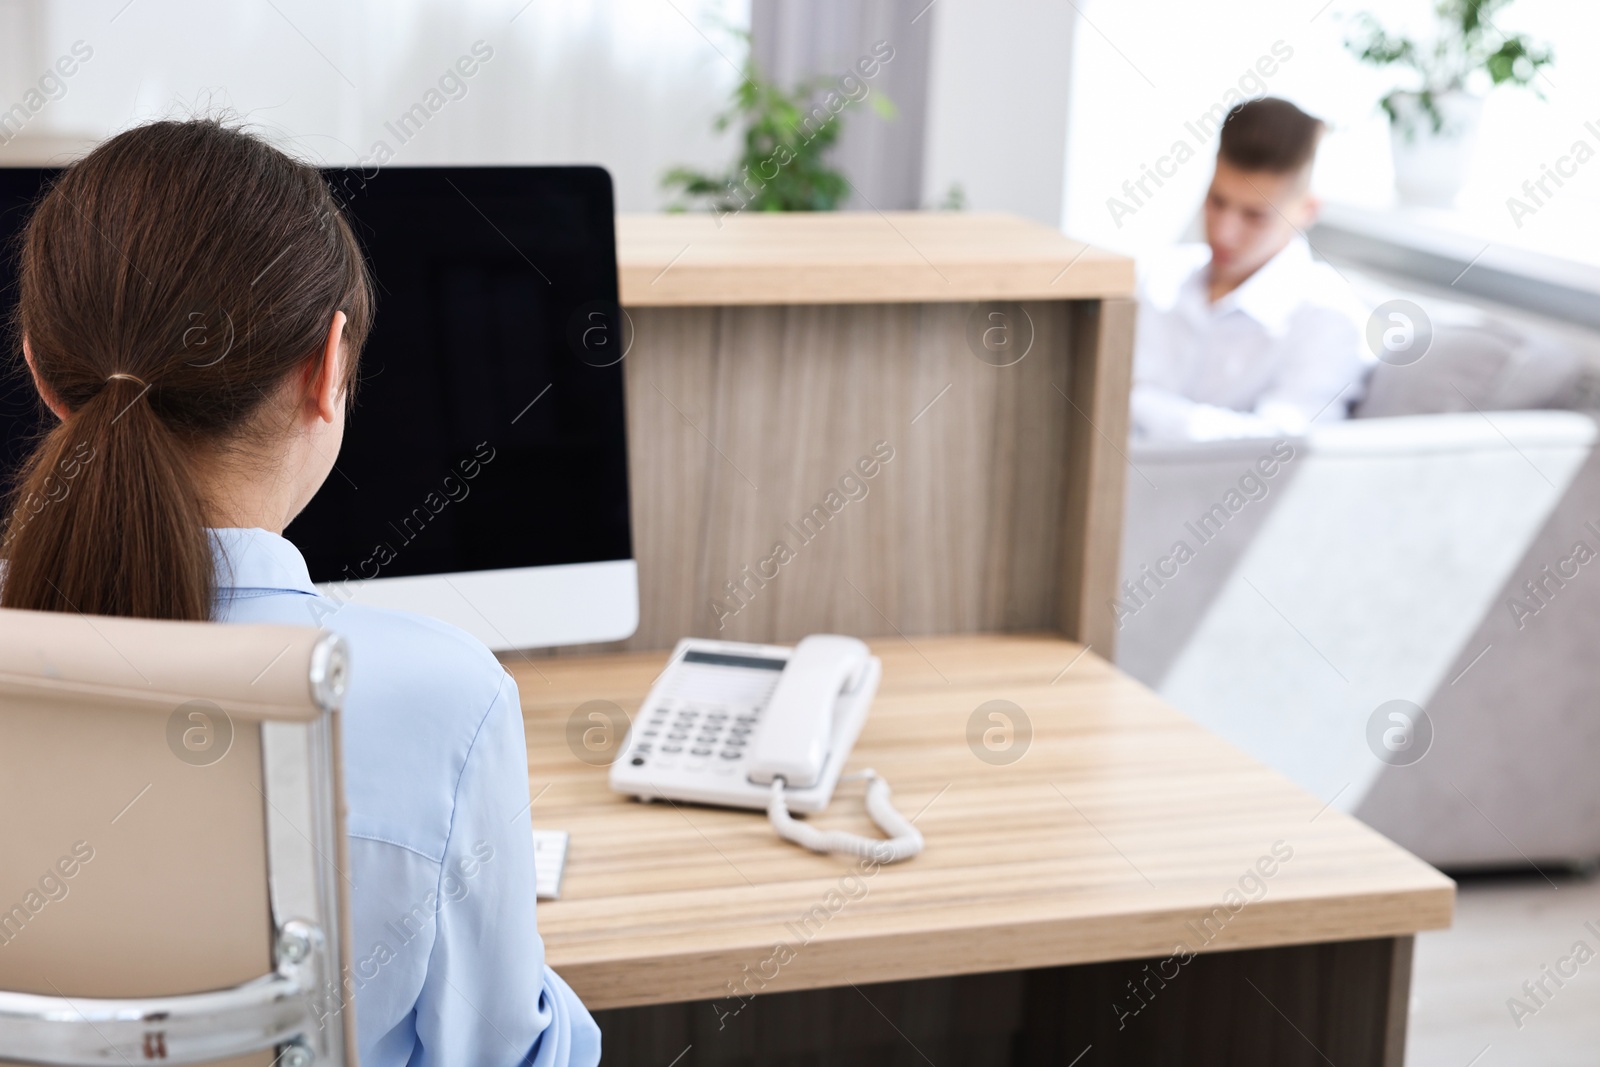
(1294, 1006)
(1097, 470)
(1122, 831)
(856, 257)
(744, 422)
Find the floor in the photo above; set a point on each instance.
(1508, 930)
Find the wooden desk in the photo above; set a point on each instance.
(1116, 836)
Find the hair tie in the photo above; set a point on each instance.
(128, 377)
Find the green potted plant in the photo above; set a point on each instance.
(1433, 123)
(782, 163)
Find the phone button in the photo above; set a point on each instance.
(638, 761)
(699, 752)
(732, 753)
(672, 748)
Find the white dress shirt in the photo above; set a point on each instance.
(1281, 350)
(449, 968)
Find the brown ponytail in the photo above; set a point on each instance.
(170, 282)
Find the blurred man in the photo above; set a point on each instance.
(1246, 335)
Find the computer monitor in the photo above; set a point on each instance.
(483, 478)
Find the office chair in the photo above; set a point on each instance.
(173, 886)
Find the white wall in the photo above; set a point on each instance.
(631, 84)
(998, 90)
(1140, 97)
(1134, 90)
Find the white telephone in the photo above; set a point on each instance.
(763, 726)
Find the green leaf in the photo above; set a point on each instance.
(1466, 40)
(782, 164)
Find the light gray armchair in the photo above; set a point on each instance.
(1382, 562)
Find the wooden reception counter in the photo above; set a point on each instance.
(769, 356)
(850, 258)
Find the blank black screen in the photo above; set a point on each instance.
(488, 426)
(22, 415)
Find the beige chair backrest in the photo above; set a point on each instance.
(136, 818)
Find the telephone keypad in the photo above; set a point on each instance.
(718, 733)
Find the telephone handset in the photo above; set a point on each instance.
(763, 726)
(824, 673)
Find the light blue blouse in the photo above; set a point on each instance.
(449, 967)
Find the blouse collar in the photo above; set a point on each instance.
(253, 558)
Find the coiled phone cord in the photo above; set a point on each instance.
(904, 840)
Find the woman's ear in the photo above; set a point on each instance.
(45, 393)
(327, 383)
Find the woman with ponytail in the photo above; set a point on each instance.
(192, 307)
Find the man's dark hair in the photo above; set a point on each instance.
(1271, 135)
